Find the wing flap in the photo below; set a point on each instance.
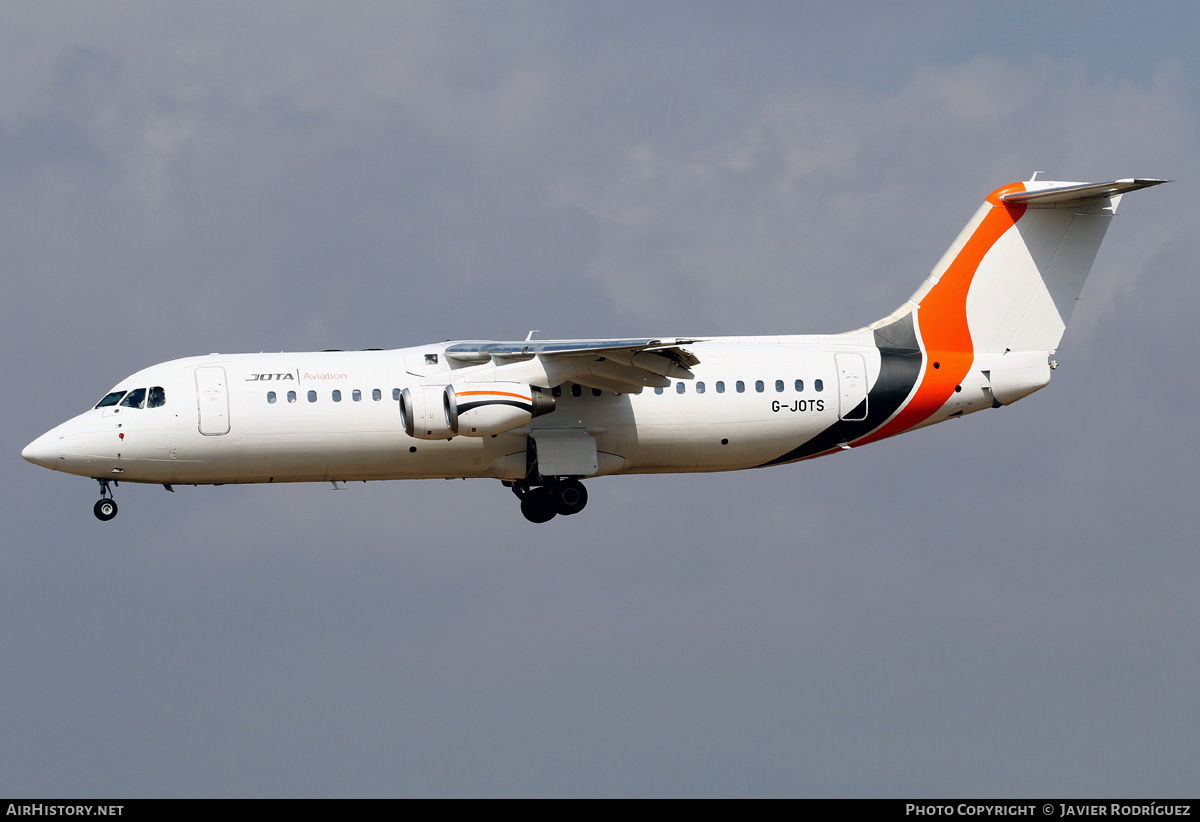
(607, 384)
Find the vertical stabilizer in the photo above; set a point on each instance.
(996, 305)
(1035, 245)
(1011, 279)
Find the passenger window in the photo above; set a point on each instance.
(312, 396)
(658, 389)
(817, 384)
(699, 388)
(576, 390)
(271, 396)
(597, 392)
(395, 393)
(741, 387)
(376, 394)
(779, 386)
(799, 386)
(157, 398)
(758, 386)
(291, 396)
(556, 391)
(431, 359)
(720, 387)
(110, 399)
(356, 395)
(679, 388)
(135, 398)
(337, 395)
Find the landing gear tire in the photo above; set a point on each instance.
(538, 506)
(105, 509)
(570, 497)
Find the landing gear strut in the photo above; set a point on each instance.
(106, 508)
(542, 497)
(555, 495)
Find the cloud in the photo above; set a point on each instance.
(309, 176)
(828, 192)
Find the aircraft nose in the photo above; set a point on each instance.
(43, 451)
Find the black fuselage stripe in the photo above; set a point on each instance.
(899, 369)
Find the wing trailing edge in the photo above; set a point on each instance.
(623, 365)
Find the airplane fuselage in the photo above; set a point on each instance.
(335, 416)
(541, 415)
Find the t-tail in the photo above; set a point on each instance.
(981, 329)
(999, 300)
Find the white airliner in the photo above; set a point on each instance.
(541, 415)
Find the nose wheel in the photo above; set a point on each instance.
(106, 508)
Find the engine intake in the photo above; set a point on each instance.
(425, 412)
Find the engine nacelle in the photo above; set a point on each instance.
(425, 412)
(481, 409)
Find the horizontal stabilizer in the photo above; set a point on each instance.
(1069, 195)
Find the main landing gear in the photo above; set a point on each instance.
(106, 508)
(559, 495)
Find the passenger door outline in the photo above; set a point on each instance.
(852, 386)
(212, 401)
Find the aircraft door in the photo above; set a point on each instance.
(212, 400)
(852, 386)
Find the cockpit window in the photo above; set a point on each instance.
(111, 399)
(157, 397)
(135, 398)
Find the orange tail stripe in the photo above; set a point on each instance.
(942, 320)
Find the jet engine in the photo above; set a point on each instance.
(481, 409)
(471, 409)
(425, 412)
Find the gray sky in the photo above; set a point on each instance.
(1000, 606)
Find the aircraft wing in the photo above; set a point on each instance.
(625, 365)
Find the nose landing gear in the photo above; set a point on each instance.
(559, 495)
(106, 508)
